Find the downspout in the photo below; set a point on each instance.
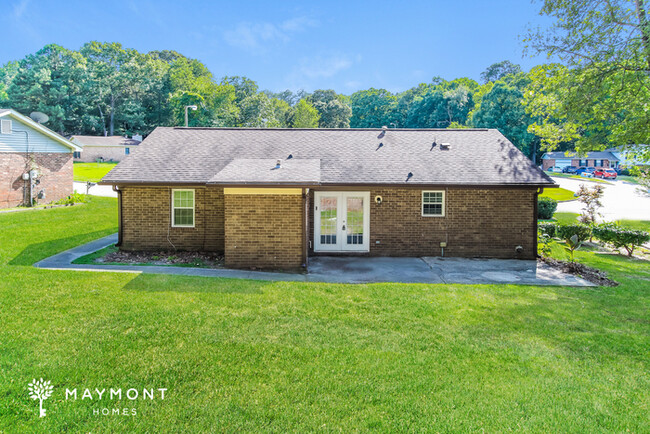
(537, 193)
(31, 203)
(305, 216)
(119, 215)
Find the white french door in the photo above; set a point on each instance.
(341, 221)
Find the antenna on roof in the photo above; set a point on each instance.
(39, 117)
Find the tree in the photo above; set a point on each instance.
(333, 109)
(372, 108)
(51, 81)
(304, 115)
(40, 390)
(499, 70)
(502, 108)
(602, 92)
(590, 198)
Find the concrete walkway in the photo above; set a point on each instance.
(350, 269)
(95, 190)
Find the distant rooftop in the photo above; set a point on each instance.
(104, 140)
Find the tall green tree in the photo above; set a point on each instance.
(333, 109)
(499, 70)
(304, 115)
(372, 108)
(599, 99)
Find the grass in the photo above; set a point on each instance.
(241, 355)
(93, 172)
(628, 178)
(571, 217)
(559, 194)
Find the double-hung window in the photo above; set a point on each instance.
(183, 208)
(433, 203)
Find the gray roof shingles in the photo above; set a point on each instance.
(347, 156)
(104, 141)
(265, 171)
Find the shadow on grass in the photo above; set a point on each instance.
(175, 283)
(39, 251)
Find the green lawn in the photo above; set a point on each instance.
(92, 172)
(582, 178)
(559, 194)
(571, 217)
(240, 355)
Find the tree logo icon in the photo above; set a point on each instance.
(40, 390)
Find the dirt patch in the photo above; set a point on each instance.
(593, 275)
(190, 259)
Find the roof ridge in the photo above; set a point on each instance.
(326, 129)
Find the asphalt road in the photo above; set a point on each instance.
(621, 200)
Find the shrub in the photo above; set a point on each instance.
(613, 234)
(549, 229)
(543, 244)
(73, 198)
(546, 208)
(565, 232)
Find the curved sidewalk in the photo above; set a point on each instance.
(331, 269)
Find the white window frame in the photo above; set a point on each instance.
(174, 225)
(444, 200)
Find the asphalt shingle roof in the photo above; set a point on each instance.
(603, 155)
(347, 156)
(265, 171)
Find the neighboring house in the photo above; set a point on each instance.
(34, 161)
(628, 155)
(270, 198)
(561, 159)
(111, 148)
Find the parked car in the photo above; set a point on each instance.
(605, 173)
(582, 170)
(555, 169)
(570, 169)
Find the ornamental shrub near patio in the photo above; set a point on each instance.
(565, 232)
(612, 233)
(546, 208)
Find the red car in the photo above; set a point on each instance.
(605, 173)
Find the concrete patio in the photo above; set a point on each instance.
(350, 269)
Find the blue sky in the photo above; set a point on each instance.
(343, 45)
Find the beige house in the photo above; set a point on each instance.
(113, 148)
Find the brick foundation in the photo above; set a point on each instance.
(55, 177)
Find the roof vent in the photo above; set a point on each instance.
(445, 146)
(409, 176)
(433, 145)
(278, 164)
(290, 157)
(379, 146)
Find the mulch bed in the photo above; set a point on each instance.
(196, 259)
(590, 274)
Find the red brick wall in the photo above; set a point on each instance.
(146, 220)
(547, 163)
(264, 231)
(55, 178)
(477, 223)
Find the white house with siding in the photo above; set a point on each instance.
(35, 162)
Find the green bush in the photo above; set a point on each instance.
(565, 232)
(72, 199)
(549, 229)
(546, 208)
(613, 234)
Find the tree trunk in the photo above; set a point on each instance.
(111, 127)
(101, 114)
(644, 26)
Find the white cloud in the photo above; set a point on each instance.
(323, 66)
(256, 37)
(20, 8)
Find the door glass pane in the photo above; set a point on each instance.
(328, 220)
(354, 220)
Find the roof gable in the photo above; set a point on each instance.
(347, 156)
(5, 113)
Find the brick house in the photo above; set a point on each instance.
(35, 162)
(270, 198)
(604, 159)
(107, 148)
